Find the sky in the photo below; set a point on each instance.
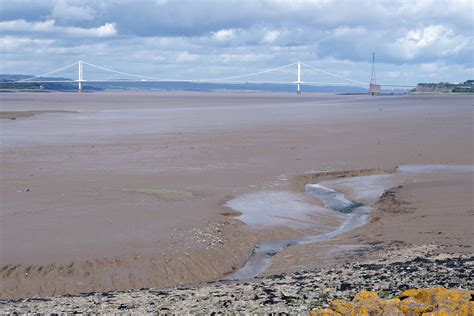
(414, 40)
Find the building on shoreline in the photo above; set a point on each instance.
(446, 87)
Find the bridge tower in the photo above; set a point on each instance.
(374, 88)
(298, 82)
(80, 78)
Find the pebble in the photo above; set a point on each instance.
(299, 292)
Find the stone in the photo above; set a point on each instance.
(443, 296)
(438, 301)
(421, 295)
(411, 306)
(391, 310)
(366, 296)
(324, 312)
(341, 306)
(367, 308)
(441, 299)
(391, 302)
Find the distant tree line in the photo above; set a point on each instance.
(465, 87)
(6, 85)
(13, 82)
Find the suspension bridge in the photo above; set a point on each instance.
(373, 87)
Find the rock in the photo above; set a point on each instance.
(367, 308)
(345, 286)
(438, 301)
(400, 277)
(422, 295)
(341, 306)
(411, 306)
(324, 312)
(392, 311)
(366, 296)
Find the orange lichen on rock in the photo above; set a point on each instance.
(422, 295)
(411, 306)
(367, 303)
(341, 306)
(324, 312)
(426, 302)
(390, 307)
(366, 296)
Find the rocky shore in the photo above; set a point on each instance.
(426, 302)
(396, 269)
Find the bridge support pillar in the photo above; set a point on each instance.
(80, 77)
(80, 86)
(298, 81)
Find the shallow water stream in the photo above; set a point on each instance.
(365, 189)
(335, 201)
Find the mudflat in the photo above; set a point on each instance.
(127, 189)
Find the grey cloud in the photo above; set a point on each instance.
(70, 11)
(228, 36)
(29, 10)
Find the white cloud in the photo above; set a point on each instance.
(49, 26)
(186, 57)
(410, 37)
(391, 74)
(270, 37)
(350, 31)
(437, 40)
(300, 5)
(224, 35)
(85, 49)
(106, 30)
(24, 26)
(11, 44)
(461, 10)
(429, 67)
(239, 58)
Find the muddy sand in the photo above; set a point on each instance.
(13, 115)
(130, 191)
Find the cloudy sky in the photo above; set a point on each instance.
(414, 40)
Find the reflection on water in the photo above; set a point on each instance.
(435, 168)
(355, 215)
(363, 188)
(281, 208)
(332, 199)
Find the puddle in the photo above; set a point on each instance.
(261, 257)
(281, 208)
(366, 189)
(338, 196)
(435, 168)
(335, 204)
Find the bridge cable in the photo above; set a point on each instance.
(334, 75)
(248, 75)
(191, 80)
(125, 73)
(49, 73)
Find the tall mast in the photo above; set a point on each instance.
(373, 80)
